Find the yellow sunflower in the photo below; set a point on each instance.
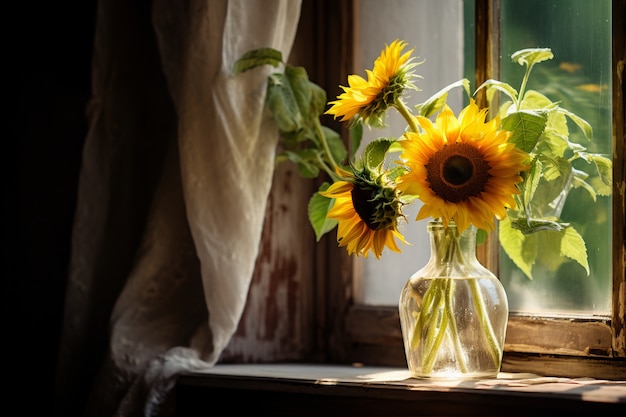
(370, 98)
(462, 169)
(367, 211)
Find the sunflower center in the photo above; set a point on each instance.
(457, 172)
(362, 202)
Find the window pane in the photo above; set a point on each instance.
(579, 76)
(435, 30)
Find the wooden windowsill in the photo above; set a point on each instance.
(312, 389)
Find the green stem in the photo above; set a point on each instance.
(431, 303)
(410, 119)
(453, 329)
(443, 289)
(326, 168)
(448, 322)
(485, 324)
(522, 88)
(320, 133)
(453, 250)
(430, 352)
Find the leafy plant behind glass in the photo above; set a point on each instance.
(535, 230)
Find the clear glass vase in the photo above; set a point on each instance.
(453, 311)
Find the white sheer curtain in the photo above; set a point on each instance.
(177, 168)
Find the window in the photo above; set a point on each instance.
(580, 77)
(563, 341)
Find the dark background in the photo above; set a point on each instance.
(53, 45)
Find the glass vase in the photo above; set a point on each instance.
(453, 311)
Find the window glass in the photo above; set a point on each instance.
(579, 77)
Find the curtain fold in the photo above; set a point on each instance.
(177, 168)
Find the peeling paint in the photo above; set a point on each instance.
(271, 327)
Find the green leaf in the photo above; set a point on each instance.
(396, 146)
(505, 107)
(573, 247)
(584, 126)
(375, 152)
(531, 181)
(530, 226)
(306, 160)
(258, 57)
(578, 182)
(335, 144)
(438, 100)
(356, 136)
(556, 168)
(531, 56)
(294, 101)
(605, 168)
(282, 103)
(520, 248)
(499, 86)
(550, 196)
(309, 97)
(534, 100)
(481, 236)
(317, 101)
(600, 187)
(308, 170)
(552, 144)
(395, 172)
(549, 243)
(318, 208)
(428, 108)
(549, 250)
(526, 126)
(292, 140)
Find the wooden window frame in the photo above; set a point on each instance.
(564, 346)
(301, 305)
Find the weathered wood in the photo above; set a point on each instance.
(286, 316)
(335, 279)
(565, 336)
(565, 366)
(619, 180)
(374, 325)
(277, 320)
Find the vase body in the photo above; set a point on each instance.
(453, 311)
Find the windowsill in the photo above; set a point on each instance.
(312, 389)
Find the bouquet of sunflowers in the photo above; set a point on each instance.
(465, 169)
(468, 170)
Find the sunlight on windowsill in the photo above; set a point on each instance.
(384, 383)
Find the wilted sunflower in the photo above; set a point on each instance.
(369, 99)
(462, 169)
(367, 211)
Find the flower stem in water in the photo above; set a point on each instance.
(485, 324)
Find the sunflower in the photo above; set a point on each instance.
(462, 169)
(367, 209)
(369, 99)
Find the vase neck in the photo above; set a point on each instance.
(448, 246)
